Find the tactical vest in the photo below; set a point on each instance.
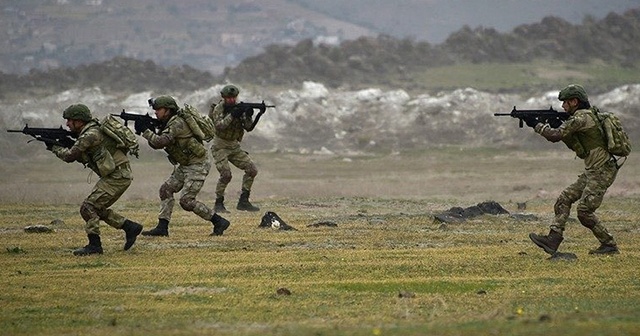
(235, 130)
(104, 158)
(583, 142)
(186, 149)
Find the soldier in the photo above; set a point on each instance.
(191, 166)
(582, 133)
(98, 151)
(230, 126)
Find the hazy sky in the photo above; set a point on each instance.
(437, 19)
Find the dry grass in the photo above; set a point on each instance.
(478, 277)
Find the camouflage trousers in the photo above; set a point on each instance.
(188, 180)
(588, 191)
(232, 153)
(106, 192)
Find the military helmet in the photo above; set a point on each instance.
(573, 91)
(77, 112)
(163, 101)
(229, 91)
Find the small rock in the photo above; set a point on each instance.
(405, 294)
(38, 229)
(283, 291)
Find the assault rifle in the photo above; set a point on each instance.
(144, 118)
(247, 109)
(550, 116)
(50, 136)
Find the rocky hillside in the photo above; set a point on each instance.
(360, 63)
(313, 118)
(373, 60)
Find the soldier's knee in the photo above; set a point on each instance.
(225, 176)
(166, 191)
(587, 218)
(251, 171)
(188, 203)
(88, 211)
(562, 202)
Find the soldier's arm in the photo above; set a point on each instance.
(158, 141)
(221, 120)
(74, 153)
(568, 128)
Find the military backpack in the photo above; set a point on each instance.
(125, 140)
(616, 137)
(200, 124)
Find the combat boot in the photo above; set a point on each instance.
(219, 206)
(219, 225)
(94, 246)
(161, 230)
(605, 249)
(131, 230)
(244, 204)
(548, 243)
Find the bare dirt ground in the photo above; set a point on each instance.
(448, 175)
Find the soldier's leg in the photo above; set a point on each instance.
(222, 166)
(242, 160)
(550, 242)
(92, 228)
(173, 184)
(195, 176)
(107, 191)
(220, 157)
(598, 181)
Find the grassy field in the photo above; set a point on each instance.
(532, 77)
(388, 268)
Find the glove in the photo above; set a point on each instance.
(263, 109)
(49, 145)
(530, 121)
(140, 126)
(237, 112)
(67, 142)
(555, 122)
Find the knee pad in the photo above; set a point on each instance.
(166, 191)
(562, 203)
(88, 211)
(225, 176)
(251, 171)
(587, 219)
(188, 203)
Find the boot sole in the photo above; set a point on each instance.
(541, 245)
(149, 234)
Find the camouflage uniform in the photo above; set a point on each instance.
(191, 167)
(98, 151)
(583, 135)
(226, 149)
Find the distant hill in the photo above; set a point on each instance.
(362, 62)
(612, 40)
(211, 35)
